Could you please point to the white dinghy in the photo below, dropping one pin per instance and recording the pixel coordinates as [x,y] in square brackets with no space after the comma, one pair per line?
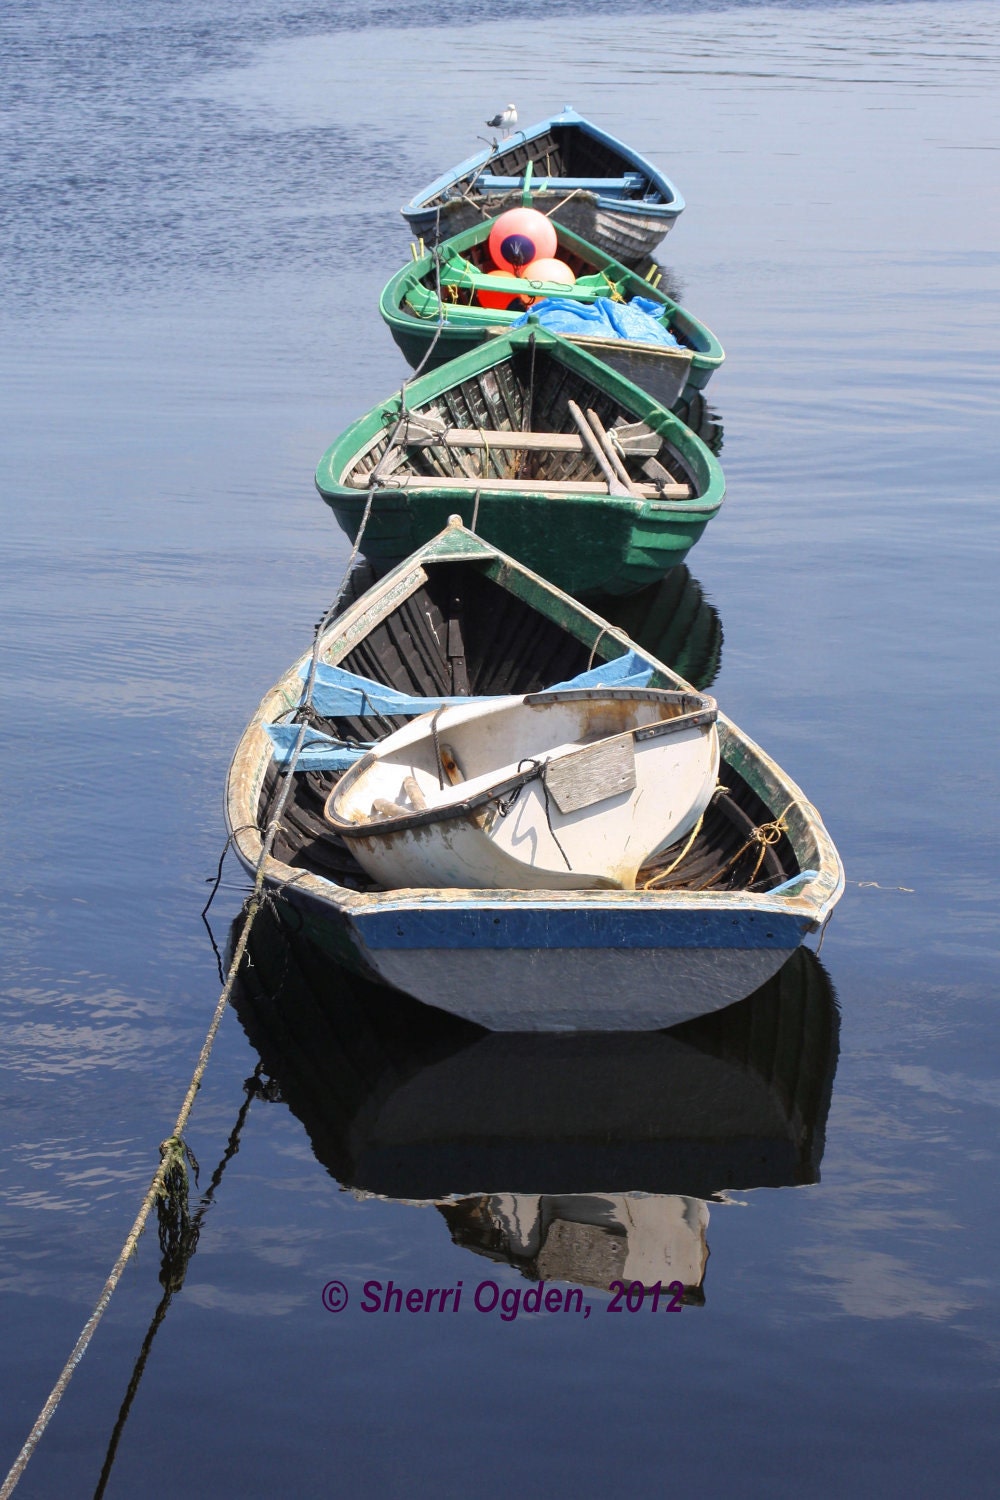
[572,789]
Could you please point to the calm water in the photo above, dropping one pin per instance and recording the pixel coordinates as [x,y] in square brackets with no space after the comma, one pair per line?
[200,208]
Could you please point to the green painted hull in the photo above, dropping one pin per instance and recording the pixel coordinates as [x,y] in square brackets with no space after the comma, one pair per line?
[583,542]
[412,314]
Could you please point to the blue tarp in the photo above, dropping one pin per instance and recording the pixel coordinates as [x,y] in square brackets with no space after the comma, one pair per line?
[640,320]
[341,694]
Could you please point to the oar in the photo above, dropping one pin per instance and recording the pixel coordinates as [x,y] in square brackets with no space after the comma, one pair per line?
[611,452]
[615,486]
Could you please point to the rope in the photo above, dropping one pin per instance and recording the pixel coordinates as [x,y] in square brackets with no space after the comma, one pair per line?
[437,747]
[662,874]
[173,1151]
[765,836]
[537,774]
[177,1253]
[604,630]
[562,202]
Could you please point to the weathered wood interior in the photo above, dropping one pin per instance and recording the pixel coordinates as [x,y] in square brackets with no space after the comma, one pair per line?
[462,633]
[528,391]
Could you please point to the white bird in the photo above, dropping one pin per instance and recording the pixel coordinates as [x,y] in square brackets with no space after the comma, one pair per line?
[505,120]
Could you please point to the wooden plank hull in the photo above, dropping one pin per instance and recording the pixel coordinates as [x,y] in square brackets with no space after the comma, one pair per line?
[585,542]
[721,917]
[630,235]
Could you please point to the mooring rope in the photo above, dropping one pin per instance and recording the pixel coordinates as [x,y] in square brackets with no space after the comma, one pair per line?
[178,1241]
[174,1152]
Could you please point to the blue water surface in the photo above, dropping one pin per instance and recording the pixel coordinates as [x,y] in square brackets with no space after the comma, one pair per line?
[200,209]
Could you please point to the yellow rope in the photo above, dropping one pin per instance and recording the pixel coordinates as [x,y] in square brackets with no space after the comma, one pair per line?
[662,874]
[616,295]
[766,835]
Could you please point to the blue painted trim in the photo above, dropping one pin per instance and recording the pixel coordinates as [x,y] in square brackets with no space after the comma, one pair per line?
[799,879]
[526,927]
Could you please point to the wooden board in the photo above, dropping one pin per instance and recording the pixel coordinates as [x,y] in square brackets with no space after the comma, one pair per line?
[523,486]
[591,774]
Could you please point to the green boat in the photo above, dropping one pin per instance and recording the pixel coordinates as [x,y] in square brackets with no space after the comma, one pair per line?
[544,451]
[412,302]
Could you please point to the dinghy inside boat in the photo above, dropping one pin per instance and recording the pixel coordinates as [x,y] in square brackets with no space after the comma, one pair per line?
[565,790]
[460,629]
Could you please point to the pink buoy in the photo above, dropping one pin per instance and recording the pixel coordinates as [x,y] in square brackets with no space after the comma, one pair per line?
[519,236]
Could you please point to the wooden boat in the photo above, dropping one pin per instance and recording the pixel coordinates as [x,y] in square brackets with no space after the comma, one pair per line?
[411,304]
[543,450]
[711,920]
[575,173]
[404,1101]
[570,790]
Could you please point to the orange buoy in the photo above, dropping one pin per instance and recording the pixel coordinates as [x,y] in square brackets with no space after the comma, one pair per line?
[521,235]
[498,300]
[547,268]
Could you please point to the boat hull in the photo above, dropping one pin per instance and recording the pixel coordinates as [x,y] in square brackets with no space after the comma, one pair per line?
[615,548]
[510,966]
[712,920]
[571,790]
[669,375]
[514,967]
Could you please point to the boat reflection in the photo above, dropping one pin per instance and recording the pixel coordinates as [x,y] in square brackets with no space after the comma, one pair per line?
[695,412]
[576,1156]
[590,1239]
[673,620]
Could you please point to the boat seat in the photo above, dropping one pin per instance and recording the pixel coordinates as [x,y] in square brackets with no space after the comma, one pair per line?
[488,183]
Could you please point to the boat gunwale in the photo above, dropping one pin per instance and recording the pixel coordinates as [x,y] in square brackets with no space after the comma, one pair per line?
[811,843]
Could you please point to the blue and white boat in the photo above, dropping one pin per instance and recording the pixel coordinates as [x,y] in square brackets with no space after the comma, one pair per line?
[712,917]
[567,168]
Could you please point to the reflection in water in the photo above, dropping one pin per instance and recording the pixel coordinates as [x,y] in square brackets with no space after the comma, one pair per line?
[674,621]
[591,1239]
[576,1156]
[702,419]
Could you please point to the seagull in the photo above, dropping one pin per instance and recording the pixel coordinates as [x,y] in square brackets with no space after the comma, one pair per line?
[505,120]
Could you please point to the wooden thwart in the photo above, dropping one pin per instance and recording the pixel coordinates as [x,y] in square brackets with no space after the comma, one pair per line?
[524,486]
[474,437]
